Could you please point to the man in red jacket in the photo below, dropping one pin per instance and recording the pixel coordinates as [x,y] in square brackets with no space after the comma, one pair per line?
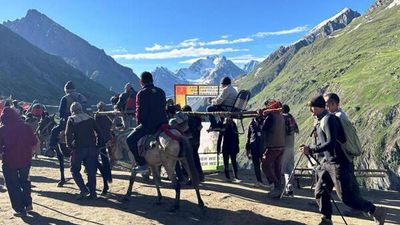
[16,144]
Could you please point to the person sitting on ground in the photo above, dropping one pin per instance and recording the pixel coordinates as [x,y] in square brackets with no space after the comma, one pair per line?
[291,128]
[254,146]
[273,131]
[16,144]
[80,134]
[194,137]
[230,149]
[150,116]
[336,170]
[104,124]
[224,102]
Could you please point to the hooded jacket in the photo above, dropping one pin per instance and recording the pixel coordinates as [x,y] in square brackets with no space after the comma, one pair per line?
[16,140]
[66,101]
[82,132]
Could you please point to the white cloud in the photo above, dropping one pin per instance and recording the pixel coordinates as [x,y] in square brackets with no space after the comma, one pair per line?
[119,50]
[226,36]
[242,59]
[282,32]
[226,42]
[195,42]
[190,61]
[178,53]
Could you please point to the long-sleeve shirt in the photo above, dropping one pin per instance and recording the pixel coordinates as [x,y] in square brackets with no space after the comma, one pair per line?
[227,97]
[150,107]
[81,132]
[328,139]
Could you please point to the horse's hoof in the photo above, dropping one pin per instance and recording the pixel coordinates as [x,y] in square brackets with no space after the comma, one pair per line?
[61,183]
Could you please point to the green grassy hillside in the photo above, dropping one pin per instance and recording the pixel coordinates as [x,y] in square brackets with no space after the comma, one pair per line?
[362,64]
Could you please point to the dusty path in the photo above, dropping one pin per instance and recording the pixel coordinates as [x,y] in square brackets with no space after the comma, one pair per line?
[227,204]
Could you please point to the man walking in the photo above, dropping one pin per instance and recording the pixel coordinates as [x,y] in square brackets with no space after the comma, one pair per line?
[80,135]
[335,169]
[16,144]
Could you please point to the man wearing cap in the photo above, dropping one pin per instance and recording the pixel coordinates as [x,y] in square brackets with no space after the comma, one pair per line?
[273,136]
[127,103]
[71,96]
[335,169]
[81,134]
[222,103]
[150,115]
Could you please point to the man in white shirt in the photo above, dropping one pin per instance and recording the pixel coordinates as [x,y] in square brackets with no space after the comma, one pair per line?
[224,102]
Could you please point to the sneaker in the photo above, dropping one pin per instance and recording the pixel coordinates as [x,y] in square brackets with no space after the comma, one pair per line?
[82,195]
[140,169]
[325,221]
[288,193]
[379,215]
[29,208]
[236,181]
[261,184]
[275,193]
[20,214]
[92,197]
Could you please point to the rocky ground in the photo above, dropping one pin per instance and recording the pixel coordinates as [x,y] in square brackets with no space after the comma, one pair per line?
[227,203]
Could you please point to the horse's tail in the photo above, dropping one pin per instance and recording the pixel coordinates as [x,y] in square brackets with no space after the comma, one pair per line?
[188,154]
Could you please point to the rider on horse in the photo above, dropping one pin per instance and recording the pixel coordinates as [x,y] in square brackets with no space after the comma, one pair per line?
[150,115]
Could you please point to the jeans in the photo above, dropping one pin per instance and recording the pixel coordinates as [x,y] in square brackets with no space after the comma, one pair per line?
[226,156]
[256,158]
[104,167]
[343,179]
[132,141]
[18,186]
[89,158]
[55,132]
[214,108]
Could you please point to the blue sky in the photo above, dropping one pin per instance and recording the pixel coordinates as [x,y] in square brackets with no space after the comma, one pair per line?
[147,34]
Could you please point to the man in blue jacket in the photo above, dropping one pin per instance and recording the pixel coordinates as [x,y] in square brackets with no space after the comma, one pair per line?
[150,115]
[71,96]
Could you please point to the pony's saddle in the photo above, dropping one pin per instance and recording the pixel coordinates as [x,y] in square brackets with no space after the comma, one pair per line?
[147,143]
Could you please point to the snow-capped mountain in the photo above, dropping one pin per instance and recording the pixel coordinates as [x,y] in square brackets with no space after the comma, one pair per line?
[249,67]
[210,70]
[166,79]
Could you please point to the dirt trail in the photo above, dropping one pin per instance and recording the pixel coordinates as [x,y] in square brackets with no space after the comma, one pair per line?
[227,203]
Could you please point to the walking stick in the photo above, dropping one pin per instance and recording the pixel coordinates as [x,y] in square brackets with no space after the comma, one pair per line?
[324,187]
[291,175]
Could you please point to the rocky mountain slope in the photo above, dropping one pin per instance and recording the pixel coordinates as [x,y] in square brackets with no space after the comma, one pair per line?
[166,79]
[51,37]
[28,73]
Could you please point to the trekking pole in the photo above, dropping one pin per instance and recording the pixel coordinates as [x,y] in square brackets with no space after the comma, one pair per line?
[291,175]
[324,187]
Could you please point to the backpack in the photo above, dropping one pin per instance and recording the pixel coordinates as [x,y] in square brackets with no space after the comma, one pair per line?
[80,98]
[352,146]
[130,102]
[290,124]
